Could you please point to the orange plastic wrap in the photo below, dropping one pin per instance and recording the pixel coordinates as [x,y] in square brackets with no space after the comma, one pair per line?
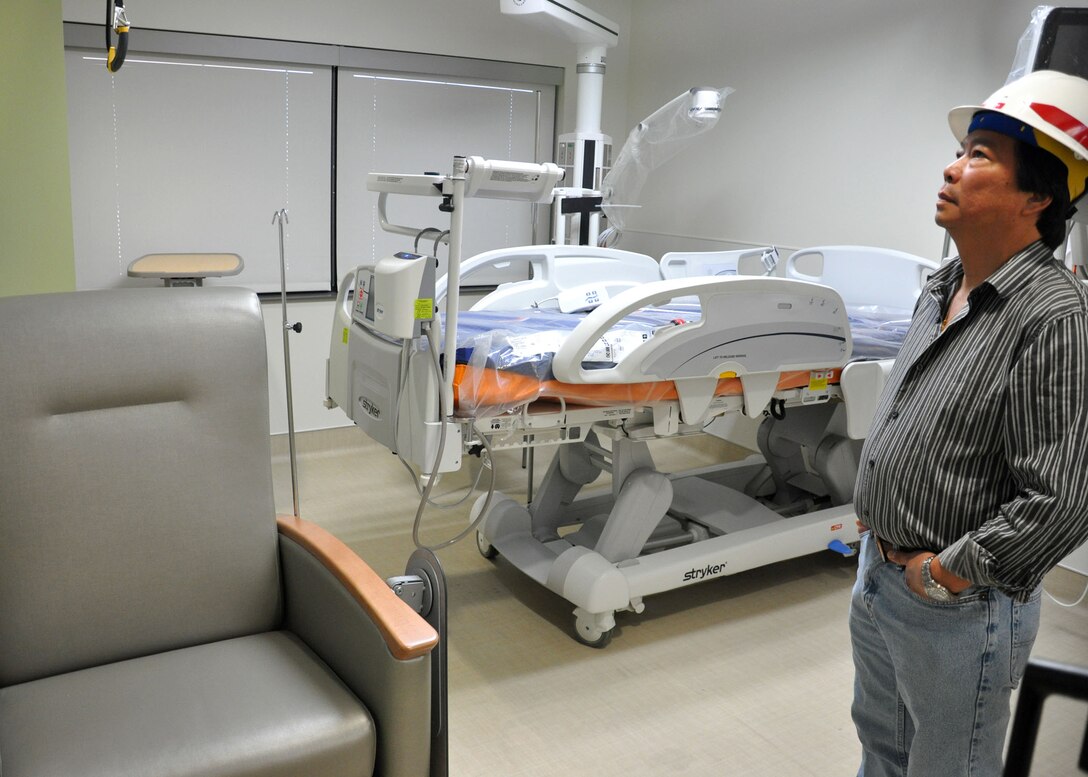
[478,390]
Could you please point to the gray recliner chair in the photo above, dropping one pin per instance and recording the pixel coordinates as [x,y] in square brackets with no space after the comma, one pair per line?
[155,616]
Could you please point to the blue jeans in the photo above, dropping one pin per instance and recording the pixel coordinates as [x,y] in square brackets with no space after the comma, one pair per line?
[932,681]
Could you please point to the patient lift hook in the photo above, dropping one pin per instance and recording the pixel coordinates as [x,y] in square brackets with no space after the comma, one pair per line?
[116,21]
[280,216]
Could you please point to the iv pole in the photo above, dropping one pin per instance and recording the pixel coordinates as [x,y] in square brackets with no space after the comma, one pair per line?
[280,217]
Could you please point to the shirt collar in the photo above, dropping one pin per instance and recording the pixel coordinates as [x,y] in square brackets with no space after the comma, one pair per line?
[948,274]
[1006,280]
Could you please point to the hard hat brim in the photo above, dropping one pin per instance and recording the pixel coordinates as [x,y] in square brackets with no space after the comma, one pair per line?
[959,119]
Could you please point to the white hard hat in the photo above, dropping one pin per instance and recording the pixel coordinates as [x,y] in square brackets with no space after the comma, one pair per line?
[1047,109]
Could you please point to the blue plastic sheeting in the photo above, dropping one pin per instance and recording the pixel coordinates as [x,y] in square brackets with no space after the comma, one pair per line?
[877,332]
[525,341]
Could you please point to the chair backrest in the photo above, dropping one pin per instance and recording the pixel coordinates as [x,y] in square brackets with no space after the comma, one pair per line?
[136,510]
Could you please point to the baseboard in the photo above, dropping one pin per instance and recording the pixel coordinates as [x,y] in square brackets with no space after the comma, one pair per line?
[320,441]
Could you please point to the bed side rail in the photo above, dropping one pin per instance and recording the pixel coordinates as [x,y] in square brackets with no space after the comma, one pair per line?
[751,328]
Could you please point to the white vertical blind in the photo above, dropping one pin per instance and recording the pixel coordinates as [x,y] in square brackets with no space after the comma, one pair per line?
[414,124]
[193,148]
[182,154]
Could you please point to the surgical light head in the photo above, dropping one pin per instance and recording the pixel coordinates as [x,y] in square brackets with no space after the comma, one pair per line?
[706,103]
[655,140]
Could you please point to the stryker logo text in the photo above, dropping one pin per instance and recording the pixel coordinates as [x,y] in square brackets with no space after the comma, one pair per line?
[710,570]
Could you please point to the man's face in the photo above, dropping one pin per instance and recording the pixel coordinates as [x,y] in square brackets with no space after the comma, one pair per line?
[980,190]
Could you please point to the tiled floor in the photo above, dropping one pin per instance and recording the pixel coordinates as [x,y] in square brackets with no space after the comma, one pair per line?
[747,675]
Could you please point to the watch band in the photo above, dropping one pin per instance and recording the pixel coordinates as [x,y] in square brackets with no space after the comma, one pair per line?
[933,589]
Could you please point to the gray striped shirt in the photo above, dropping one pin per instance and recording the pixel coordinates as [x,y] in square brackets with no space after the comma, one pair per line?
[979,447]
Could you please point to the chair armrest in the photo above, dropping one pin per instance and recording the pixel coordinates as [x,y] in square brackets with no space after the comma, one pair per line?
[405,632]
[375,643]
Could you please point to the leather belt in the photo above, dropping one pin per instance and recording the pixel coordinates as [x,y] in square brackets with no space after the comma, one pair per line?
[883,546]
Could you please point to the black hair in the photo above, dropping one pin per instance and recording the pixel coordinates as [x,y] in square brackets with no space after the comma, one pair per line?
[1040,172]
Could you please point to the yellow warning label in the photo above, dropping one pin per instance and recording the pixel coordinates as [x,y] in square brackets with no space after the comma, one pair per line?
[345,338]
[817,381]
[424,309]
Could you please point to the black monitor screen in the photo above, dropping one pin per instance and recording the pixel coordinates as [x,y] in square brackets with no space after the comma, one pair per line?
[1063,45]
[369,314]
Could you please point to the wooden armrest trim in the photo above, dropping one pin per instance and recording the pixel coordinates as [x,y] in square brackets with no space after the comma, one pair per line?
[405,632]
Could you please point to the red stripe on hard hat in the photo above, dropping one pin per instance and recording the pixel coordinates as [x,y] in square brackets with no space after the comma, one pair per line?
[1068,124]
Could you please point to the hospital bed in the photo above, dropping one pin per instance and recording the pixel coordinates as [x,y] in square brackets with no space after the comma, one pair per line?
[597,352]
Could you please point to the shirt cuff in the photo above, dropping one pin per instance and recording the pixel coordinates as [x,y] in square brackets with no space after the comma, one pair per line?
[969,560]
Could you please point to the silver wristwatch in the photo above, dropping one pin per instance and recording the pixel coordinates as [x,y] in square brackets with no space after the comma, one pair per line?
[933,589]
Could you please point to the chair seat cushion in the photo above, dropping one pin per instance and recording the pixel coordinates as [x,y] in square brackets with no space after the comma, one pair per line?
[256,705]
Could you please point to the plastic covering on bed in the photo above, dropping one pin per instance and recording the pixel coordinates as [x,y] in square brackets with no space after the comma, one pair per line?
[504,358]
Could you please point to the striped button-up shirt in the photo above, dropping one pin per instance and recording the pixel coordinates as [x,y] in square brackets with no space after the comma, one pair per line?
[979,447]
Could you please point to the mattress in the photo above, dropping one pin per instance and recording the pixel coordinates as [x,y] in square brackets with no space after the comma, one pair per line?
[504,358]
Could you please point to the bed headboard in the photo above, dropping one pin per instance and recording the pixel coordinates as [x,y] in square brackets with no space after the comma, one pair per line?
[862,275]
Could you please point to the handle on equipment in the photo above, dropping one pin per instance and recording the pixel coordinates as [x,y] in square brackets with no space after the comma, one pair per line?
[116,21]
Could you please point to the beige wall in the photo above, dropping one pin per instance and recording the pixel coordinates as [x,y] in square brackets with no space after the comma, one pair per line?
[837,131]
[35,202]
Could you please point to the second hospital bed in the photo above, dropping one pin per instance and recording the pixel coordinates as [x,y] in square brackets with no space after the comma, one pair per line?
[601,351]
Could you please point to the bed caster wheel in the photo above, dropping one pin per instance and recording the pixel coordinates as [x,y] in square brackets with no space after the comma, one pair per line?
[487,550]
[602,639]
[593,630]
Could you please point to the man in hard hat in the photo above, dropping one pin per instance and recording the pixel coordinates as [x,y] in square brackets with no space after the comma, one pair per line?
[972,482]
